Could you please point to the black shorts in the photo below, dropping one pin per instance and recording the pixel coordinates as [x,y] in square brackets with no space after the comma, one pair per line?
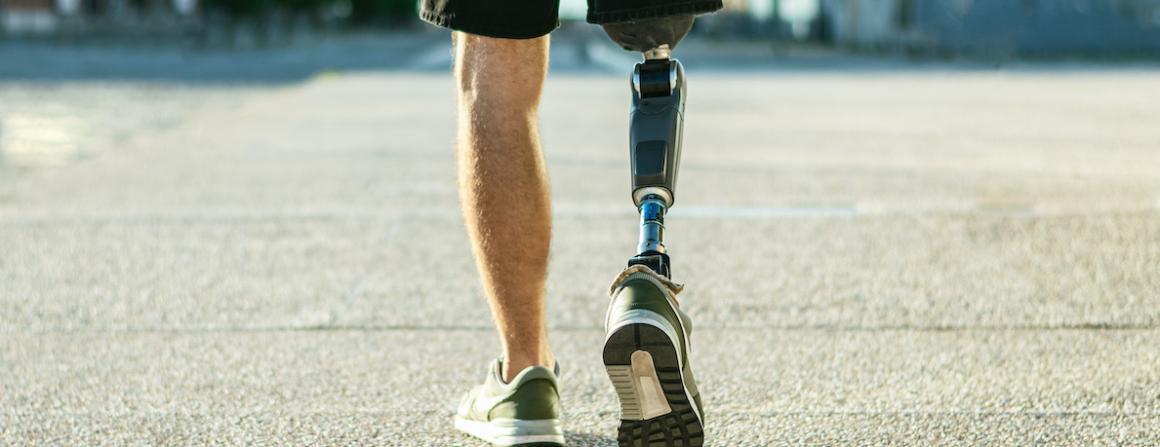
[526,19]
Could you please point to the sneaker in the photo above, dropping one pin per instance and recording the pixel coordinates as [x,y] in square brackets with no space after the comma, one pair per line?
[646,353]
[525,412]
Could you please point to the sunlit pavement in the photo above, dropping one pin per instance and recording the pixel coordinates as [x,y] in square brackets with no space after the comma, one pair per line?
[873,255]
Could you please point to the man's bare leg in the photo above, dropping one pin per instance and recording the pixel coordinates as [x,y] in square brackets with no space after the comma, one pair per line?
[504,188]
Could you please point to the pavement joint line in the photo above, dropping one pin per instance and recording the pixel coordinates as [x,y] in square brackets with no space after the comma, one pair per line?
[689,213]
[782,328]
[450,412]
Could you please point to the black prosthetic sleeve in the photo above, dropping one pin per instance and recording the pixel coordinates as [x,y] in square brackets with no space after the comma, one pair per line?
[656,127]
[644,35]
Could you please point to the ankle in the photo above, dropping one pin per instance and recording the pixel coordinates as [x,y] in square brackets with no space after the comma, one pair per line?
[513,364]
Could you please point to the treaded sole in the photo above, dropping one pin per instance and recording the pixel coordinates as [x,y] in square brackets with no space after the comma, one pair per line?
[645,420]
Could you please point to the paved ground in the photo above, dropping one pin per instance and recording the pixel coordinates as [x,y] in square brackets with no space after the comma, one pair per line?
[884,255]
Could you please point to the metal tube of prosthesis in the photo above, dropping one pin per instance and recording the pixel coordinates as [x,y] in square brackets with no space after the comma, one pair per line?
[652,225]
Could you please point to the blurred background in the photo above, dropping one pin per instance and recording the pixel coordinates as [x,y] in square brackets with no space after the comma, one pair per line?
[993,28]
[900,222]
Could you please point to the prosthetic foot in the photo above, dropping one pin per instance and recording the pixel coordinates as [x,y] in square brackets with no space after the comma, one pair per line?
[646,348]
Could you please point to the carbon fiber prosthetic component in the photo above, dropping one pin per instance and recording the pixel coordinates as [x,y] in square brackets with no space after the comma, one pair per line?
[655,137]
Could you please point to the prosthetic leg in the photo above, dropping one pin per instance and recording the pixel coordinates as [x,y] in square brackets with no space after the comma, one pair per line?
[657,124]
[646,349]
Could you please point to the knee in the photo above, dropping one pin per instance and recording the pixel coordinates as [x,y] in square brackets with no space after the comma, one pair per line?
[500,73]
[644,35]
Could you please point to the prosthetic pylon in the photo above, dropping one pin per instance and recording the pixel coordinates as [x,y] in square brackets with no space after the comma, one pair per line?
[655,134]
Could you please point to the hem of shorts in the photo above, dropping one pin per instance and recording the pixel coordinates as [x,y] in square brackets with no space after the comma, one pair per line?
[697,7]
[502,33]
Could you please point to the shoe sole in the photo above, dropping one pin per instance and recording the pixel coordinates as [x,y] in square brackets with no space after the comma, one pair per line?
[513,433]
[655,406]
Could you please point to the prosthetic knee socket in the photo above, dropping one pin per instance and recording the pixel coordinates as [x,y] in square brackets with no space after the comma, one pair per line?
[644,35]
[655,137]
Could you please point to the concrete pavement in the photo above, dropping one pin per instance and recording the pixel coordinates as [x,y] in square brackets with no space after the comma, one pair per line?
[912,257]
